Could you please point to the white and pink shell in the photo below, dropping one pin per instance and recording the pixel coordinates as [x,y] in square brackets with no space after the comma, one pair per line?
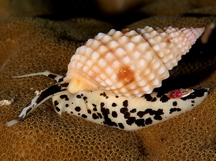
[129,63]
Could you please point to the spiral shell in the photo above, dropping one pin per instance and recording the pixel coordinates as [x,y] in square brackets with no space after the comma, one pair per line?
[129,63]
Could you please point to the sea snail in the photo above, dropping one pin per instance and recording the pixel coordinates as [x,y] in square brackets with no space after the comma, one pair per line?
[110,79]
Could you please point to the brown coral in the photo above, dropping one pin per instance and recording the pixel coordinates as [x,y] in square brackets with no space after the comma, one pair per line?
[33,45]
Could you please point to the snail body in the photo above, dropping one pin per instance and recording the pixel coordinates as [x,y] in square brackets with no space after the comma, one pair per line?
[110,79]
[128,113]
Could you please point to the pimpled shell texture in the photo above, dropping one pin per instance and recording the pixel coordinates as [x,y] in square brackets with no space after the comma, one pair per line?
[130,62]
[30,46]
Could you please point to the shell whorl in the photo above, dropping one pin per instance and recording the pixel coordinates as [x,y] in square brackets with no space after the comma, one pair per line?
[129,63]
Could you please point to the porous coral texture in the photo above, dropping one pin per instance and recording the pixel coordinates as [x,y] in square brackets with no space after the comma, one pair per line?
[31,45]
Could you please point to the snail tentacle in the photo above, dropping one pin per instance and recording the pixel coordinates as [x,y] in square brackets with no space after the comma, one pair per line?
[58,78]
[39,99]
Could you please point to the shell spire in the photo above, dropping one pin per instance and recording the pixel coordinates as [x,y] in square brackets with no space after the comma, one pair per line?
[129,63]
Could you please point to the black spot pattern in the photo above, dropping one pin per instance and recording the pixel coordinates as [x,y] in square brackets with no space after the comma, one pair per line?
[174,109]
[114,104]
[126,115]
[164,98]
[84,116]
[114,114]
[99,115]
[102,105]
[125,103]
[141,113]
[78,96]
[64,96]
[95,107]
[104,95]
[148,121]
[57,109]
[143,122]
[157,117]
[105,113]
[157,113]
[174,103]
[148,97]
[85,98]
[140,122]
[77,108]
[56,103]
[124,110]
[130,120]
[154,99]
[133,110]
[121,125]
[94,116]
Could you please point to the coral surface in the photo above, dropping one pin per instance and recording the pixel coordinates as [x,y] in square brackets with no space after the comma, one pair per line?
[30,44]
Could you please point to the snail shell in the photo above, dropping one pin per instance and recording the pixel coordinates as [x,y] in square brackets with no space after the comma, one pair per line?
[129,63]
